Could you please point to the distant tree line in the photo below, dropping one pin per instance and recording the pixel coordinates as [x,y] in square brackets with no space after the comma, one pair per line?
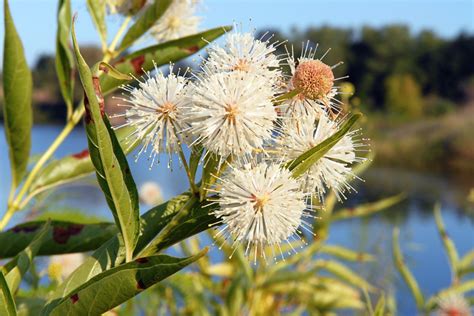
[392,69]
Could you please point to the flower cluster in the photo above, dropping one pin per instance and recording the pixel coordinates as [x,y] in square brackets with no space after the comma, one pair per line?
[244,109]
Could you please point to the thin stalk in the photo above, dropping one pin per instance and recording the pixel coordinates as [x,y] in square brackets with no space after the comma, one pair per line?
[111,50]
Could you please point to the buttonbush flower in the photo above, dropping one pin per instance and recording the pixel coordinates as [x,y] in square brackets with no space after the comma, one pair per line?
[153,112]
[452,305]
[260,205]
[315,81]
[178,21]
[231,113]
[334,168]
[243,52]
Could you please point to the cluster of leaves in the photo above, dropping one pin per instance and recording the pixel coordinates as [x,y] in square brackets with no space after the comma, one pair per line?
[125,257]
[461,268]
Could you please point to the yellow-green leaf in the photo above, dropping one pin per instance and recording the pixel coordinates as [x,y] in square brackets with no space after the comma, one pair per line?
[17,87]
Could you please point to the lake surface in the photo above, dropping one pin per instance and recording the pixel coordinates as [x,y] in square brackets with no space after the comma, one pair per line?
[419,239]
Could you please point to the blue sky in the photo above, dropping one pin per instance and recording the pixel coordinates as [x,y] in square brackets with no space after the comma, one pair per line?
[35,19]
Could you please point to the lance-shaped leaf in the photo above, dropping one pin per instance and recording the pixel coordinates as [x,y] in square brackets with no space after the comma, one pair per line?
[64,59]
[62,237]
[380,307]
[17,88]
[76,166]
[405,272]
[343,273]
[18,266]
[97,10]
[301,164]
[144,22]
[367,209]
[346,254]
[7,304]
[113,172]
[466,264]
[161,54]
[153,221]
[448,244]
[125,281]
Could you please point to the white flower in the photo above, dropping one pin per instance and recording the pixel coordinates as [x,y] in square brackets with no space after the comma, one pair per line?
[315,80]
[150,193]
[231,113]
[177,21]
[242,52]
[334,168]
[260,206]
[153,111]
[452,305]
[61,266]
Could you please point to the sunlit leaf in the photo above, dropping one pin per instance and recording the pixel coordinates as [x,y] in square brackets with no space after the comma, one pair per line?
[7,304]
[144,22]
[113,172]
[300,165]
[17,90]
[405,272]
[126,281]
[64,59]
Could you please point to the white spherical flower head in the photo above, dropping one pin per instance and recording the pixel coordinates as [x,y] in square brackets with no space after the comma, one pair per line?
[315,81]
[177,21]
[260,206]
[333,169]
[61,266]
[453,305]
[153,111]
[242,52]
[231,113]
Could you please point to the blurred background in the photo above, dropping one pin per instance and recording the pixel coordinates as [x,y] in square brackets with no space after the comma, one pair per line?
[411,72]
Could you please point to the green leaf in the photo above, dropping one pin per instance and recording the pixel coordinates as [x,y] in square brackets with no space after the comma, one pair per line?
[448,244]
[97,10]
[7,304]
[76,166]
[161,54]
[18,266]
[64,58]
[380,307]
[367,209]
[405,272]
[343,273]
[301,164]
[17,87]
[194,159]
[113,72]
[153,221]
[346,254]
[62,237]
[466,264]
[144,23]
[113,172]
[125,281]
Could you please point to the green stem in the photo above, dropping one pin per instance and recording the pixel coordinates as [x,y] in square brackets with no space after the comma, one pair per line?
[110,53]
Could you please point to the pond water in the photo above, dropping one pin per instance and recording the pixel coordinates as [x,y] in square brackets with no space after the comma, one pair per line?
[419,239]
